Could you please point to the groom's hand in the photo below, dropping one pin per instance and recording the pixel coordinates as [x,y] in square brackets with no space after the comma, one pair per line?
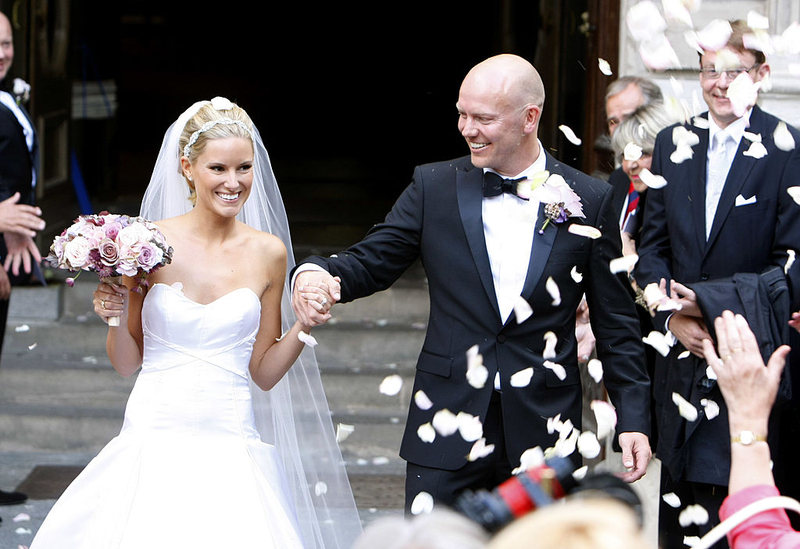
[636,454]
[313,295]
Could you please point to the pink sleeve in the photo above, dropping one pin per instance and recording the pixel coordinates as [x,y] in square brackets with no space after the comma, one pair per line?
[767,530]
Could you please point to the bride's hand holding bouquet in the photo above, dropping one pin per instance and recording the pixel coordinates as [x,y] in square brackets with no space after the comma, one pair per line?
[113,246]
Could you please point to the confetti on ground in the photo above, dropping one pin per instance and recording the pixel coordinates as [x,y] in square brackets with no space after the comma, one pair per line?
[22,328]
[22,517]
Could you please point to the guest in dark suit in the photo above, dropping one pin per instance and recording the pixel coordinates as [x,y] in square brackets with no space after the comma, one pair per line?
[724,210]
[17,171]
[484,256]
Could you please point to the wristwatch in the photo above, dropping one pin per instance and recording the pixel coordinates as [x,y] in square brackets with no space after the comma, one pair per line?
[747,438]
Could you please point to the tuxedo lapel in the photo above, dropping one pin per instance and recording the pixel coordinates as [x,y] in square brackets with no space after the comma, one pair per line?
[739,172]
[697,186]
[469,189]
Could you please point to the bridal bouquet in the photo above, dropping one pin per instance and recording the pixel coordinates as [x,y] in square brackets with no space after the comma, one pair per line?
[112,246]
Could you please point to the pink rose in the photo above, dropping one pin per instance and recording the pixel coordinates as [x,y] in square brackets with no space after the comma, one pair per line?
[109,252]
[149,256]
[76,253]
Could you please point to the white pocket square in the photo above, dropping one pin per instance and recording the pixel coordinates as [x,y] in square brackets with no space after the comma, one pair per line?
[742,201]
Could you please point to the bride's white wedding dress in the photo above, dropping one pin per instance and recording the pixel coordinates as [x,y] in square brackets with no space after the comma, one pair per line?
[188,469]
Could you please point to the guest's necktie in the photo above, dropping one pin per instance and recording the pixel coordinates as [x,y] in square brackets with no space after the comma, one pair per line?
[633,203]
[495,185]
[718,166]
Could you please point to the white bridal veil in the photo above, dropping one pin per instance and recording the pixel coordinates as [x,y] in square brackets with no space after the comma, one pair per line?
[294,415]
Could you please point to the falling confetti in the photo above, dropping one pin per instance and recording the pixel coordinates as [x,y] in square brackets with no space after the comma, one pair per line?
[343,431]
[632,152]
[790,257]
[391,385]
[658,54]
[477,374]
[757,21]
[469,427]
[307,339]
[685,408]
[604,66]
[480,450]
[658,342]
[684,354]
[743,93]
[677,11]
[693,514]
[557,369]
[422,400]
[584,230]
[445,422]
[672,500]
[756,150]
[652,180]
[522,378]
[550,340]
[588,446]
[595,369]
[576,276]
[522,309]
[530,459]
[605,416]
[710,407]
[794,192]
[320,488]
[570,135]
[580,474]
[426,432]
[715,35]
[783,137]
[422,504]
[623,264]
[552,288]
[644,21]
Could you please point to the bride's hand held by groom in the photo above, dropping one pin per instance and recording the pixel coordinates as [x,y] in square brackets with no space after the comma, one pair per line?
[314,294]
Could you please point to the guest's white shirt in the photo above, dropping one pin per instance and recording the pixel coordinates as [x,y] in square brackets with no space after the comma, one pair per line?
[8,100]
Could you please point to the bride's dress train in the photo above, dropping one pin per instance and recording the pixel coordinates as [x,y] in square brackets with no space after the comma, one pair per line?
[188,469]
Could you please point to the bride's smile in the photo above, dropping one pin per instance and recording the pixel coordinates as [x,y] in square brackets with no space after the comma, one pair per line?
[223,174]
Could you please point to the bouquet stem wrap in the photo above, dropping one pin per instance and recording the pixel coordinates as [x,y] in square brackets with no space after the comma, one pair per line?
[113,320]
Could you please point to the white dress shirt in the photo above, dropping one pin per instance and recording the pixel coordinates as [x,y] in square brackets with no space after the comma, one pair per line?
[719,160]
[8,100]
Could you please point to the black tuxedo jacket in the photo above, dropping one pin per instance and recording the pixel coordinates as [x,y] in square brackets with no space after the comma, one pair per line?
[756,223]
[438,219]
[16,161]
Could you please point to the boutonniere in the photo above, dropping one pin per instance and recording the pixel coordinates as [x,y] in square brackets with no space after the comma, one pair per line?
[22,90]
[560,201]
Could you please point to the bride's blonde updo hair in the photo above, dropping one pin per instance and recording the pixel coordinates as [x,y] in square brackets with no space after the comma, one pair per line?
[218,119]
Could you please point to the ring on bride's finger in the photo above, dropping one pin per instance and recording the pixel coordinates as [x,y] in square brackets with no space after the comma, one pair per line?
[103,304]
[726,358]
[324,301]
[736,350]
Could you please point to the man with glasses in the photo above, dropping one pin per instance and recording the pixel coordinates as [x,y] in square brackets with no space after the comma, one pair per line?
[724,211]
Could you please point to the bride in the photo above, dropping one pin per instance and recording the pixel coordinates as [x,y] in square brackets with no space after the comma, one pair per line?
[223,370]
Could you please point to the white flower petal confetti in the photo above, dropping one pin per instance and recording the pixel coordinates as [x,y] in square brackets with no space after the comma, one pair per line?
[595,369]
[522,309]
[588,446]
[756,150]
[343,431]
[469,427]
[726,60]
[557,369]
[307,339]
[658,54]
[682,153]
[658,342]
[550,340]
[632,152]
[623,264]
[743,93]
[644,20]
[565,446]
[693,514]
[391,385]
[522,378]
[320,488]
[711,408]
[480,450]
[576,276]
[677,11]
[22,328]
[477,376]
[783,137]
[790,257]
[684,354]
[426,432]
[710,373]
[570,135]
[530,459]
[552,288]
[701,122]
[652,180]
[23,531]
[580,474]
[32,346]
[422,400]
[672,500]
[584,230]
[715,35]
[380,460]
[445,422]
[757,21]
[22,517]
[422,504]
[685,408]
[794,192]
[691,541]
[604,66]
[605,416]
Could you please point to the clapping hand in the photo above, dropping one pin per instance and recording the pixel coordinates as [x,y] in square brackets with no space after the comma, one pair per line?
[21,250]
[19,218]
[314,293]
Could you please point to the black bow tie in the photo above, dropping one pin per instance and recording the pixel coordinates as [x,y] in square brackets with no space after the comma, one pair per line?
[495,185]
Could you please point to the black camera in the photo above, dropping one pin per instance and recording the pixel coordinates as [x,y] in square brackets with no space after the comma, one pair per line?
[538,487]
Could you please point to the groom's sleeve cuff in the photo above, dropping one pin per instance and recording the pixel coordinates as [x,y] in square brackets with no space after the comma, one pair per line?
[304,267]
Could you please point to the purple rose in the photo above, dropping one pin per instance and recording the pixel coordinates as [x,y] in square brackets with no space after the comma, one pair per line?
[109,252]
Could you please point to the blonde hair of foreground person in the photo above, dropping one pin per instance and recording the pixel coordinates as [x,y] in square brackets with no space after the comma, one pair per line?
[440,529]
[583,523]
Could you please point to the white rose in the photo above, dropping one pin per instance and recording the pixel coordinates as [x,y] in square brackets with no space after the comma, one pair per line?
[76,252]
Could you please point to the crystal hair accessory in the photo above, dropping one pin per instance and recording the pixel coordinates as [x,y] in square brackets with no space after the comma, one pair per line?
[210,124]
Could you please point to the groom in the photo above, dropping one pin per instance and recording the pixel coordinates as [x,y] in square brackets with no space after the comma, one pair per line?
[483,256]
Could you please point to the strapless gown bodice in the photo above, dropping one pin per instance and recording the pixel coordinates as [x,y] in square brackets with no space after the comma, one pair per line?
[188,468]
